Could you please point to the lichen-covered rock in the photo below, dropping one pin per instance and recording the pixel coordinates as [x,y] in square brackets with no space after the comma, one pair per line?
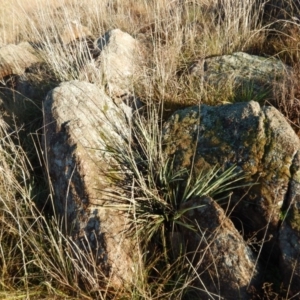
[289,233]
[258,140]
[225,264]
[80,120]
[247,74]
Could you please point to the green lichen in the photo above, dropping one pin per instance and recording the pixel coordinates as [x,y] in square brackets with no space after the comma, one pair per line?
[243,134]
[105,108]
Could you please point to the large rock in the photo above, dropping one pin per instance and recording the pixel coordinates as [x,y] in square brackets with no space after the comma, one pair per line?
[14,59]
[244,75]
[225,264]
[262,144]
[80,120]
[118,64]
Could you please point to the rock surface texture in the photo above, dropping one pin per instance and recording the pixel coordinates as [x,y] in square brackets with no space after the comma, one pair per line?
[249,75]
[24,81]
[78,118]
[14,59]
[262,144]
[289,234]
[226,265]
[118,65]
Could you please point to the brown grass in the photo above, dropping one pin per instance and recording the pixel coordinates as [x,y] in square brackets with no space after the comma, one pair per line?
[36,259]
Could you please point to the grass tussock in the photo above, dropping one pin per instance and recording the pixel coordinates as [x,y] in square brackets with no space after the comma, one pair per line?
[155,190]
[37,260]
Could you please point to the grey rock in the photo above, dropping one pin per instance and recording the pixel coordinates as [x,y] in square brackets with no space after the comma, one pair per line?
[80,121]
[14,59]
[248,75]
[225,265]
[118,66]
[262,145]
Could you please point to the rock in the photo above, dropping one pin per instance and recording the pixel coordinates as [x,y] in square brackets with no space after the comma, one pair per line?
[248,75]
[258,140]
[21,96]
[80,120]
[118,65]
[14,59]
[289,234]
[225,264]
[25,83]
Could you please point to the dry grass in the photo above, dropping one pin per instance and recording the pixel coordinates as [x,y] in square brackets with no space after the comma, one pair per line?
[36,259]
[175,31]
